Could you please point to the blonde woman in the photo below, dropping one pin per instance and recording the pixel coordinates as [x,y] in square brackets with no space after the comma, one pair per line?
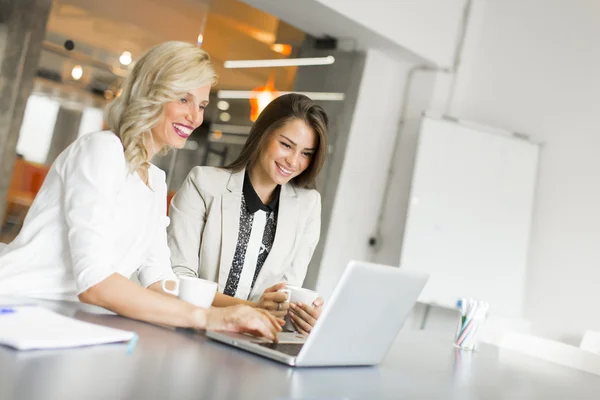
[100,215]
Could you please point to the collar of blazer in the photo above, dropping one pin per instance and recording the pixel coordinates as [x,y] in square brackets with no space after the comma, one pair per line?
[285,234]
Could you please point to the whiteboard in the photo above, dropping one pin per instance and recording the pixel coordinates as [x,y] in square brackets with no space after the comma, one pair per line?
[470,212]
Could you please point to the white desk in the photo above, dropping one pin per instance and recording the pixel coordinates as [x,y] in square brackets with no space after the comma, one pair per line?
[168,364]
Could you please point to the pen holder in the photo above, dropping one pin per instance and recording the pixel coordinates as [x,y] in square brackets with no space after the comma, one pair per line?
[466,332]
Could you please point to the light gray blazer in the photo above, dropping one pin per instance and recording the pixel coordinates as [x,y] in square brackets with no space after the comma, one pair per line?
[205,216]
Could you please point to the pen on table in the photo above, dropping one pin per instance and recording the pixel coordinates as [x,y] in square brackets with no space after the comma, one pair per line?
[469,305]
[465,333]
[462,308]
[476,321]
[471,313]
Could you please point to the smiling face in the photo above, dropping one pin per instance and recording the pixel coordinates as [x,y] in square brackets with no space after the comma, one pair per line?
[287,152]
[180,118]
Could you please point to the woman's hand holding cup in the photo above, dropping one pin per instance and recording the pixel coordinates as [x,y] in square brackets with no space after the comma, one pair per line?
[275,300]
[300,307]
[304,316]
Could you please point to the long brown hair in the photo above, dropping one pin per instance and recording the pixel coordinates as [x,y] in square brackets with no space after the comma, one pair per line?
[280,111]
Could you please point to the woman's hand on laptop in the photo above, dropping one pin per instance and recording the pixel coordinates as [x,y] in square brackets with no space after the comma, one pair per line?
[305,316]
[244,319]
[274,301]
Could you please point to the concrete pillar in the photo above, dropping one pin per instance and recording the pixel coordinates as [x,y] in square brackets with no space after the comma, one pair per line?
[22,30]
[363,173]
[65,132]
[343,76]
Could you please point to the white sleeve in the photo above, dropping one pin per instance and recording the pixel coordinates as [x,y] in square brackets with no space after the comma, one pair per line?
[92,174]
[157,265]
[188,218]
[296,273]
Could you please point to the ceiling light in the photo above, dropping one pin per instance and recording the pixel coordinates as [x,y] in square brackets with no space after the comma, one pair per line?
[223,105]
[225,117]
[200,39]
[284,49]
[248,94]
[285,62]
[260,99]
[125,58]
[77,72]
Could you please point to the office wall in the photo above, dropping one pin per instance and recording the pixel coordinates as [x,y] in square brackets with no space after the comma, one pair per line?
[533,67]
[389,230]
[363,177]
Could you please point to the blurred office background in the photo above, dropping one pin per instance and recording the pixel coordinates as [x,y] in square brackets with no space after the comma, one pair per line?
[525,66]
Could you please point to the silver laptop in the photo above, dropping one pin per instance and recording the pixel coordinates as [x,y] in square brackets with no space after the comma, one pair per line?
[358,325]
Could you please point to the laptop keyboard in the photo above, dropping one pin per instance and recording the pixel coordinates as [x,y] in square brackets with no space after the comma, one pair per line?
[291,349]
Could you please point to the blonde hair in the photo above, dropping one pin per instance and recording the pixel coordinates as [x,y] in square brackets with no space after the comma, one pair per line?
[163,74]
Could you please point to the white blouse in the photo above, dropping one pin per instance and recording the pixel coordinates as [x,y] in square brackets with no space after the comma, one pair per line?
[90,219]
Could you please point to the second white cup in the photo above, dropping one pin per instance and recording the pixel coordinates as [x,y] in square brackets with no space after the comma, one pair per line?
[199,292]
[297,294]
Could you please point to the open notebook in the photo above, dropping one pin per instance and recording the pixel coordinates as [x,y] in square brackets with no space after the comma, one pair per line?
[34,327]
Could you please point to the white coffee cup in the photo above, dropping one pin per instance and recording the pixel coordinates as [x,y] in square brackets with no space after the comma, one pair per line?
[297,294]
[199,292]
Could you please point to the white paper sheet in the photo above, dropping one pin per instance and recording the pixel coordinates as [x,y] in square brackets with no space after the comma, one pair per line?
[33,327]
